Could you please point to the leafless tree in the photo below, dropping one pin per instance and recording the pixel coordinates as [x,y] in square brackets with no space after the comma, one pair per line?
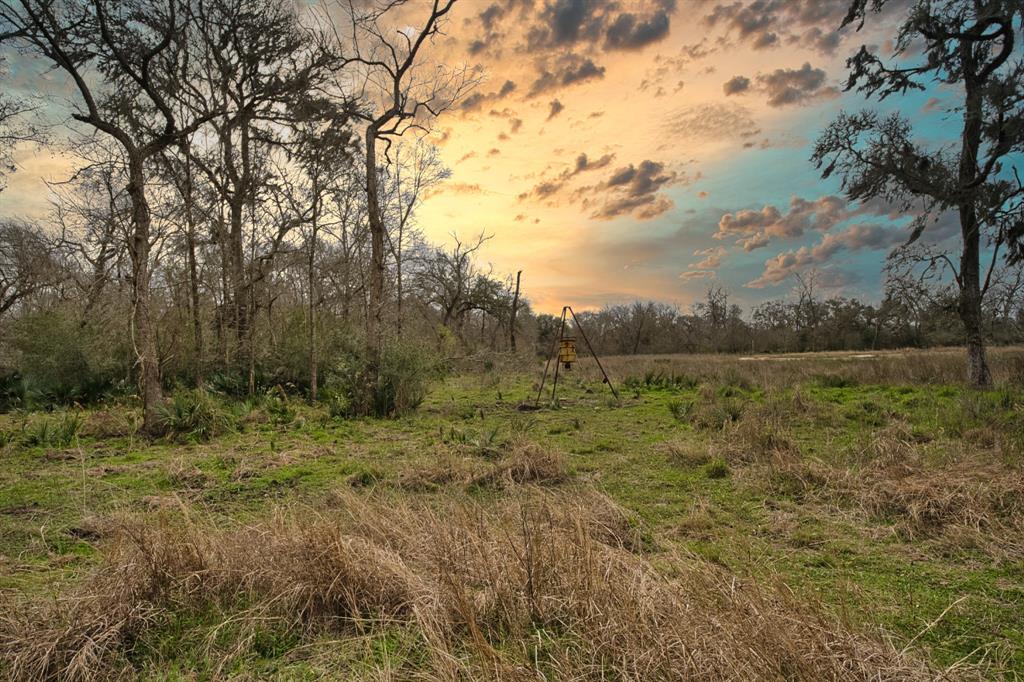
[136,44]
[450,280]
[398,92]
[15,128]
[29,263]
[415,168]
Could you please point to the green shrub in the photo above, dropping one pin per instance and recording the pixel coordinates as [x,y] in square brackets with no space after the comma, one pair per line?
[398,385]
[63,361]
[12,391]
[54,432]
[277,405]
[228,384]
[337,405]
[193,415]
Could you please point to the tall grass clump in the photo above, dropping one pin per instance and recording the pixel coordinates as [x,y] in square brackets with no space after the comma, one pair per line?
[653,379]
[55,432]
[193,415]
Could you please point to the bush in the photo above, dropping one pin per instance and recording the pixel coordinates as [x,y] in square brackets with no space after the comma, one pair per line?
[277,405]
[193,415]
[12,391]
[400,384]
[62,361]
[229,384]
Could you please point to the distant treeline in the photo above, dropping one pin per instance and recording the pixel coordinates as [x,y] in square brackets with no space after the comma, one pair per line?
[804,323]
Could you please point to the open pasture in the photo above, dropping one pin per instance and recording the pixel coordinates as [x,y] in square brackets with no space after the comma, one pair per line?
[806,517]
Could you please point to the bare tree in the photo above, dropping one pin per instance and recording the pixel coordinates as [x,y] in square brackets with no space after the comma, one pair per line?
[397,96]
[29,263]
[14,128]
[415,169]
[962,43]
[136,45]
[450,280]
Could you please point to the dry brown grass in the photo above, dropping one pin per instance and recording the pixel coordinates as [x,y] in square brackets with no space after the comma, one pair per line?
[542,585]
[939,365]
[759,435]
[525,462]
[110,423]
[972,502]
[515,463]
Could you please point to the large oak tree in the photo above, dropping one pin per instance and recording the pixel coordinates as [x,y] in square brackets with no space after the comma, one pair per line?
[968,46]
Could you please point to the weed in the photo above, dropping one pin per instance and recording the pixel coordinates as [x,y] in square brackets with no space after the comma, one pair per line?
[520,425]
[716,468]
[56,432]
[678,408]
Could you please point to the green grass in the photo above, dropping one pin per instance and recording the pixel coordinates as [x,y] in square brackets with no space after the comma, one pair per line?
[715,508]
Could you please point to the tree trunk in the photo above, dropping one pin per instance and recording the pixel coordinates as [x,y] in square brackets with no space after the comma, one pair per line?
[512,317]
[374,319]
[398,281]
[978,374]
[145,340]
[236,273]
[311,285]
[193,275]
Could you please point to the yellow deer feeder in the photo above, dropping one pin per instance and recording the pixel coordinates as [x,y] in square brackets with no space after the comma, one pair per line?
[564,355]
[567,351]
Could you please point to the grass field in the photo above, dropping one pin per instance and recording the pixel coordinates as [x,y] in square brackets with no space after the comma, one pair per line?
[793,517]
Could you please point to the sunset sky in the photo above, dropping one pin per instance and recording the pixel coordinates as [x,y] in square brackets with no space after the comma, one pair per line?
[624,149]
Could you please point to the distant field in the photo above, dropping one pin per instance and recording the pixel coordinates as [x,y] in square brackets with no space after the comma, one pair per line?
[818,516]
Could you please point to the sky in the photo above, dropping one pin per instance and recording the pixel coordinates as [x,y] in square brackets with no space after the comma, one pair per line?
[649,149]
[617,150]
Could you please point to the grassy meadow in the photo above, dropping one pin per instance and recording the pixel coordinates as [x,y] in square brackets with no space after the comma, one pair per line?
[812,517]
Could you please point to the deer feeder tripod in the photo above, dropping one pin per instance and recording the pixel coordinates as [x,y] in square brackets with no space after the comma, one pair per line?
[564,354]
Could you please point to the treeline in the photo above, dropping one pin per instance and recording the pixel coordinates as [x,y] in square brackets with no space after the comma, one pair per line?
[69,336]
[904,319]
